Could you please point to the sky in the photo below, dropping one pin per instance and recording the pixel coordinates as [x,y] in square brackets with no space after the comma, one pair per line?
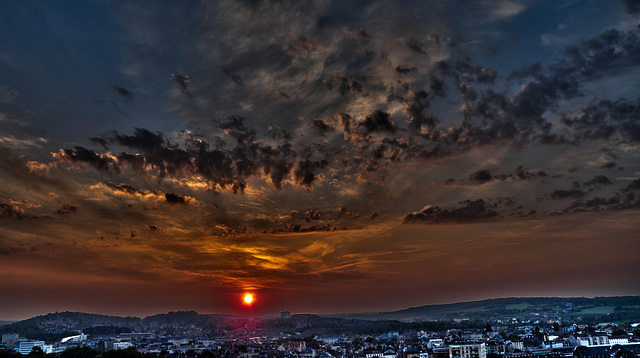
[325,156]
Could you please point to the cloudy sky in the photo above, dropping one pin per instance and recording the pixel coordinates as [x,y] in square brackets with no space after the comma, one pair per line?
[328,156]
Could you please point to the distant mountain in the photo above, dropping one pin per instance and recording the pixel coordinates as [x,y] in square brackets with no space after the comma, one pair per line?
[54,326]
[475,314]
[508,308]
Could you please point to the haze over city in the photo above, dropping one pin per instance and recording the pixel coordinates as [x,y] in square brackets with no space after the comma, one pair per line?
[323,156]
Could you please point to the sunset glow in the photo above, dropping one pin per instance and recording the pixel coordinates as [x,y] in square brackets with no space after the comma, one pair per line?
[323,156]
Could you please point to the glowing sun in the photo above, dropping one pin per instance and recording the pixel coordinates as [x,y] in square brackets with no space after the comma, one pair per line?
[247,298]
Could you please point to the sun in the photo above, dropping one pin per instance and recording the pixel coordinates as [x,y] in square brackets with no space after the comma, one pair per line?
[247,299]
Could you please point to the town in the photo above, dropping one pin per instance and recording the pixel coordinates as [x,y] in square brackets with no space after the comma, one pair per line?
[244,337]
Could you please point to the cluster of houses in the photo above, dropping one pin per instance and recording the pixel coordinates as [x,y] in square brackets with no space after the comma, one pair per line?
[507,342]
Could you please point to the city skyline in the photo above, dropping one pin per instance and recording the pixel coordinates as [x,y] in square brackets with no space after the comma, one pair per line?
[324,157]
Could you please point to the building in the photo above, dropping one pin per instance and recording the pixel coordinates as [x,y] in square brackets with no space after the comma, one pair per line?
[415,353]
[619,340]
[285,314]
[10,338]
[613,351]
[122,345]
[475,350]
[293,346]
[591,340]
[74,339]
[389,354]
[25,347]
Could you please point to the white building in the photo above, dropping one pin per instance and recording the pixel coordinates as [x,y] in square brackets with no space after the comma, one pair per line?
[389,354]
[468,350]
[74,339]
[26,347]
[122,345]
[618,340]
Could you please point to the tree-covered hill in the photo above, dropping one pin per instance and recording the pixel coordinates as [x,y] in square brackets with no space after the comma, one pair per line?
[54,326]
[617,308]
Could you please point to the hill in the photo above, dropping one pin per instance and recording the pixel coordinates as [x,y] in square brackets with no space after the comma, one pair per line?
[475,314]
[523,308]
[55,326]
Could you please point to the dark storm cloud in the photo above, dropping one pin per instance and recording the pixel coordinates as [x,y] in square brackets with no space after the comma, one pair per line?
[294,228]
[598,180]
[437,86]
[17,248]
[305,171]
[612,50]
[521,173]
[125,188]
[322,126]
[608,53]
[481,176]
[378,121]
[233,75]
[500,118]
[234,126]
[100,162]
[12,211]
[608,165]
[632,6]
[311,215]
[183,83]
[601,119]
[345,84]
[590,205]
[142,139]
[154,152]
[464,71]
[468,92]
[169,198]
[99,141]
[416,110]
[360,34]
[634,185]
[468,212]
[484,175]
[375,141]
[67,209]
[566,194]
[175,199]
[122,92]
[405,70]
[299,95]
[153,229]
[355,64]
[521,118]
[415,46]
[313,220]
[221,167]
[629,201]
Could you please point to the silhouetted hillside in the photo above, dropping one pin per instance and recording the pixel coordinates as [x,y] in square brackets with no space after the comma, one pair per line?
[625,307]
[54,326]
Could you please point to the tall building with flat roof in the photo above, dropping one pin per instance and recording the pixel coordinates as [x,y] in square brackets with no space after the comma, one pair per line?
[26,347]
[474,350]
